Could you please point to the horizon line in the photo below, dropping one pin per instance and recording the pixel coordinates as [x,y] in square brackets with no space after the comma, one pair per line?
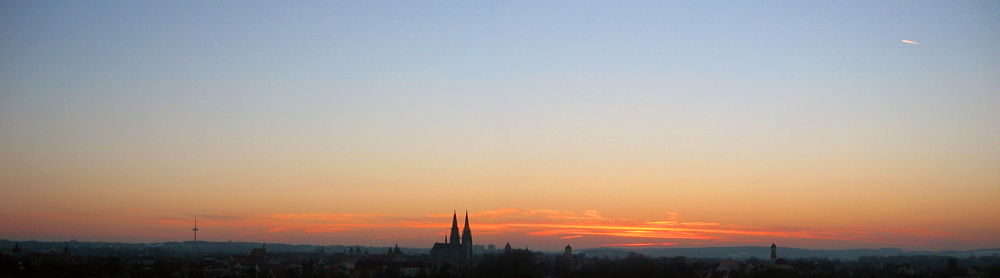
[553,250]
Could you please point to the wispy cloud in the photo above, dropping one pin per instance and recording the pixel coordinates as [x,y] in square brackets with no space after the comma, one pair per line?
[641,244]
[503,223]
[570,225]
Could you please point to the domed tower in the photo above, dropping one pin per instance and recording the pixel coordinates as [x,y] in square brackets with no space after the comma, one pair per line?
[774,252]
[467,238]
[568,252]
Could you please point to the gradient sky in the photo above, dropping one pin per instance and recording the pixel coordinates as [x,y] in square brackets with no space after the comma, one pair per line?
[684,124]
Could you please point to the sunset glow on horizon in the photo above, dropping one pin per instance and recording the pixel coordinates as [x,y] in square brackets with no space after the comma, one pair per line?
[547,229]
[591,124]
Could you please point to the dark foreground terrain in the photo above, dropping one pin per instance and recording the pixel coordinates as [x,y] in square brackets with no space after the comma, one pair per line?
[206,259]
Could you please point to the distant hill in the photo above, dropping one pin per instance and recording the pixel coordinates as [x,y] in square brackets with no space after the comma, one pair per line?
[81,247]
[739,252]
[784,252]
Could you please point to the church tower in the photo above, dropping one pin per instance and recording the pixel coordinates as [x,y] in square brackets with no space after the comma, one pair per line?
[454,231]
[455,247]
[467,238]
[774,252]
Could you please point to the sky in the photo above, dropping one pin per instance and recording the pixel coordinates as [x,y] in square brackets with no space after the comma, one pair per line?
[850,124]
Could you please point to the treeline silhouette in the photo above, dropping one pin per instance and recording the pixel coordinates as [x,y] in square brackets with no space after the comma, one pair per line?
[516,263]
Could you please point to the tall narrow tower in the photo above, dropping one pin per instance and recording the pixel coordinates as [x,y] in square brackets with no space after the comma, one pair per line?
[774,252]
[467,238]
[195,229]
[454,232]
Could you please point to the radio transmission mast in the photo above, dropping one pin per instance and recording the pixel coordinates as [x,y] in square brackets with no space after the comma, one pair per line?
[195,229]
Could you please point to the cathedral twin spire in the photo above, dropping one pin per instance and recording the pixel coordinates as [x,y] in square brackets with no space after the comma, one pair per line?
[456,246]
[454,230]
[467,236]
[466,233]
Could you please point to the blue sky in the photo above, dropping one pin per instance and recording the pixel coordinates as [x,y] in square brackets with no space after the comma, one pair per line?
[665,106]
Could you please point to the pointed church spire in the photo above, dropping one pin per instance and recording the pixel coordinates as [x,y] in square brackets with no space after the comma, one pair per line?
[467,238]
[455,241]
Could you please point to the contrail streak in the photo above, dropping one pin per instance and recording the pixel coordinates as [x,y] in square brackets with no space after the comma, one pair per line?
[910,42]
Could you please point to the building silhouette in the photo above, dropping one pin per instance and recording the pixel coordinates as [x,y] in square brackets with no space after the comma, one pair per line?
[778,263]
[455,248]
[467,237]
[195,229]
[259,253]
[774,252]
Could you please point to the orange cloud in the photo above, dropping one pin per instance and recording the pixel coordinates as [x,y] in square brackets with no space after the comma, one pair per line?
[494,214]
[641,244]
[501,224]
[324,216]
[545,223]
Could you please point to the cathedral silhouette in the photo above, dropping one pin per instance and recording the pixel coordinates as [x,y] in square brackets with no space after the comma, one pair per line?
[455,248]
